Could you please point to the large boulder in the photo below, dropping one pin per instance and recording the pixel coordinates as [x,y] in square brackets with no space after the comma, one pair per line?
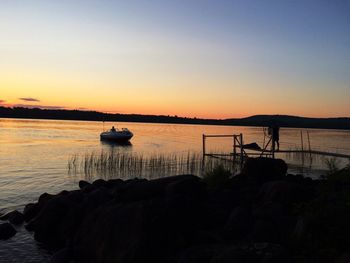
[57,221]
[271,210]
[251,252]
[63,256]
[32,210]
[99,183]
[274,222]
[7,231]
[110,211]
[83,183]
[262,170]
[141,189]
[200,253]
[189,185]
[283,192]
[239,223]
[14,217]
[152,230]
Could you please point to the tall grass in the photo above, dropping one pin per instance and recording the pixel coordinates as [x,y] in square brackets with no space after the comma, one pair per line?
[118,164]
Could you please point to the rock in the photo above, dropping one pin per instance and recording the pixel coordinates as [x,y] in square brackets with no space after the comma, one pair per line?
[151,230]
[7,231]
[95,199]
[190,186]
[273,253]
[265,231]
[99,183]
[276,230]
[218,206]
[297,178]
[283,192]
[56,222]
[115,183]
[64,192]
[45,197]
[76,196]
[222,253]
[4,217]
[200,253]
[344,258]
[271,211]
[239,223]
[263,170]
[15,217]
[140,189]
[83,184]
[63,256]
[30,211]
[273,223]
[235,254]
[89,188]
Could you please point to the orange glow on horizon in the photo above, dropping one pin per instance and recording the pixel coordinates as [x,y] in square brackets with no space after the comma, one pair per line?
[236,62]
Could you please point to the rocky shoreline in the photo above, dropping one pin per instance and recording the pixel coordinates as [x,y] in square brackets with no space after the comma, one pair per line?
[262,215]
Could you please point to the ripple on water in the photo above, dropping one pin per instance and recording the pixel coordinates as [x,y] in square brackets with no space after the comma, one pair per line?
[34,156]
[22,248]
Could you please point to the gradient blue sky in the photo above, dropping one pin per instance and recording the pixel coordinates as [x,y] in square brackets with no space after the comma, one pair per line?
[191,58]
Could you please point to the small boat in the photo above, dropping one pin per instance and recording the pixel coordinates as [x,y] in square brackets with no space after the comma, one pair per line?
[116,135]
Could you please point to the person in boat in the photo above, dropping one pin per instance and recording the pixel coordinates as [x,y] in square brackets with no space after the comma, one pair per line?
[113,129]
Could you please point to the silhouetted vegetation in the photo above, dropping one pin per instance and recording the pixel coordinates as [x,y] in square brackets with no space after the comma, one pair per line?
[258,120]
[325,231]
[114,164]
[218,177]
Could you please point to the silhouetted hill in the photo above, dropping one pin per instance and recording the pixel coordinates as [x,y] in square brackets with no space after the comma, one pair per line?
[257,120]
[293,121]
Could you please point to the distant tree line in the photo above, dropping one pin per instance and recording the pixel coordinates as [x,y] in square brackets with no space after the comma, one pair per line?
[257,120]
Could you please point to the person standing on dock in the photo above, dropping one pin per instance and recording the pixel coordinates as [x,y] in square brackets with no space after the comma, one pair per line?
[274,133]
[276,137]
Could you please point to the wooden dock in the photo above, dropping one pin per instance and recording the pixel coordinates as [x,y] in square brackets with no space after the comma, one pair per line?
[239,150]
[330,154]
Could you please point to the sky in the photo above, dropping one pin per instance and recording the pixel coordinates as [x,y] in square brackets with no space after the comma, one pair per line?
[208,59]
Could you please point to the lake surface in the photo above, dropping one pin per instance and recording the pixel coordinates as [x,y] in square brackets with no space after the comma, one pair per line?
[34,158]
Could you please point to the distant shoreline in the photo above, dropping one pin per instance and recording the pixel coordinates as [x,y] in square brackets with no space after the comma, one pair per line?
[342,123]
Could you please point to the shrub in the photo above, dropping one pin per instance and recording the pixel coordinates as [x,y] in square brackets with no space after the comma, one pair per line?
[218,177]
[327,233]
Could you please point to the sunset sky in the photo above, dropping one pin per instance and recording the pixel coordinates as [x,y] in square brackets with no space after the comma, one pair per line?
[211,59]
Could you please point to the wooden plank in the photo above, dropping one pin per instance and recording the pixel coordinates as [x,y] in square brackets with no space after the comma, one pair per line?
[224,135]
[312,152]
[265,151]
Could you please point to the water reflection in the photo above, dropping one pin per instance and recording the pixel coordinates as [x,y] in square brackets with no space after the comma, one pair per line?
[34,156]
[113,144]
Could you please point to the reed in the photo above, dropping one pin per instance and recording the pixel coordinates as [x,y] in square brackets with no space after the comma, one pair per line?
[117,164]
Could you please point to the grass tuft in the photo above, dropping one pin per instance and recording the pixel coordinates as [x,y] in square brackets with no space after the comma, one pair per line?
[115,164]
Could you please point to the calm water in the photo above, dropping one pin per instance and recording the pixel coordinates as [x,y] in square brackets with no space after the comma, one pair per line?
[34,155]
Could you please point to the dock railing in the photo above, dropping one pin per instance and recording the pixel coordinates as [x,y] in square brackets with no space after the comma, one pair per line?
[237,143]
[240,151]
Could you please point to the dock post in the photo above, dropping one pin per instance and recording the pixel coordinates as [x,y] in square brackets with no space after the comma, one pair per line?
[241,147]
[302,147]
[234,148]
[273,148]
[203,145]
[308,139]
